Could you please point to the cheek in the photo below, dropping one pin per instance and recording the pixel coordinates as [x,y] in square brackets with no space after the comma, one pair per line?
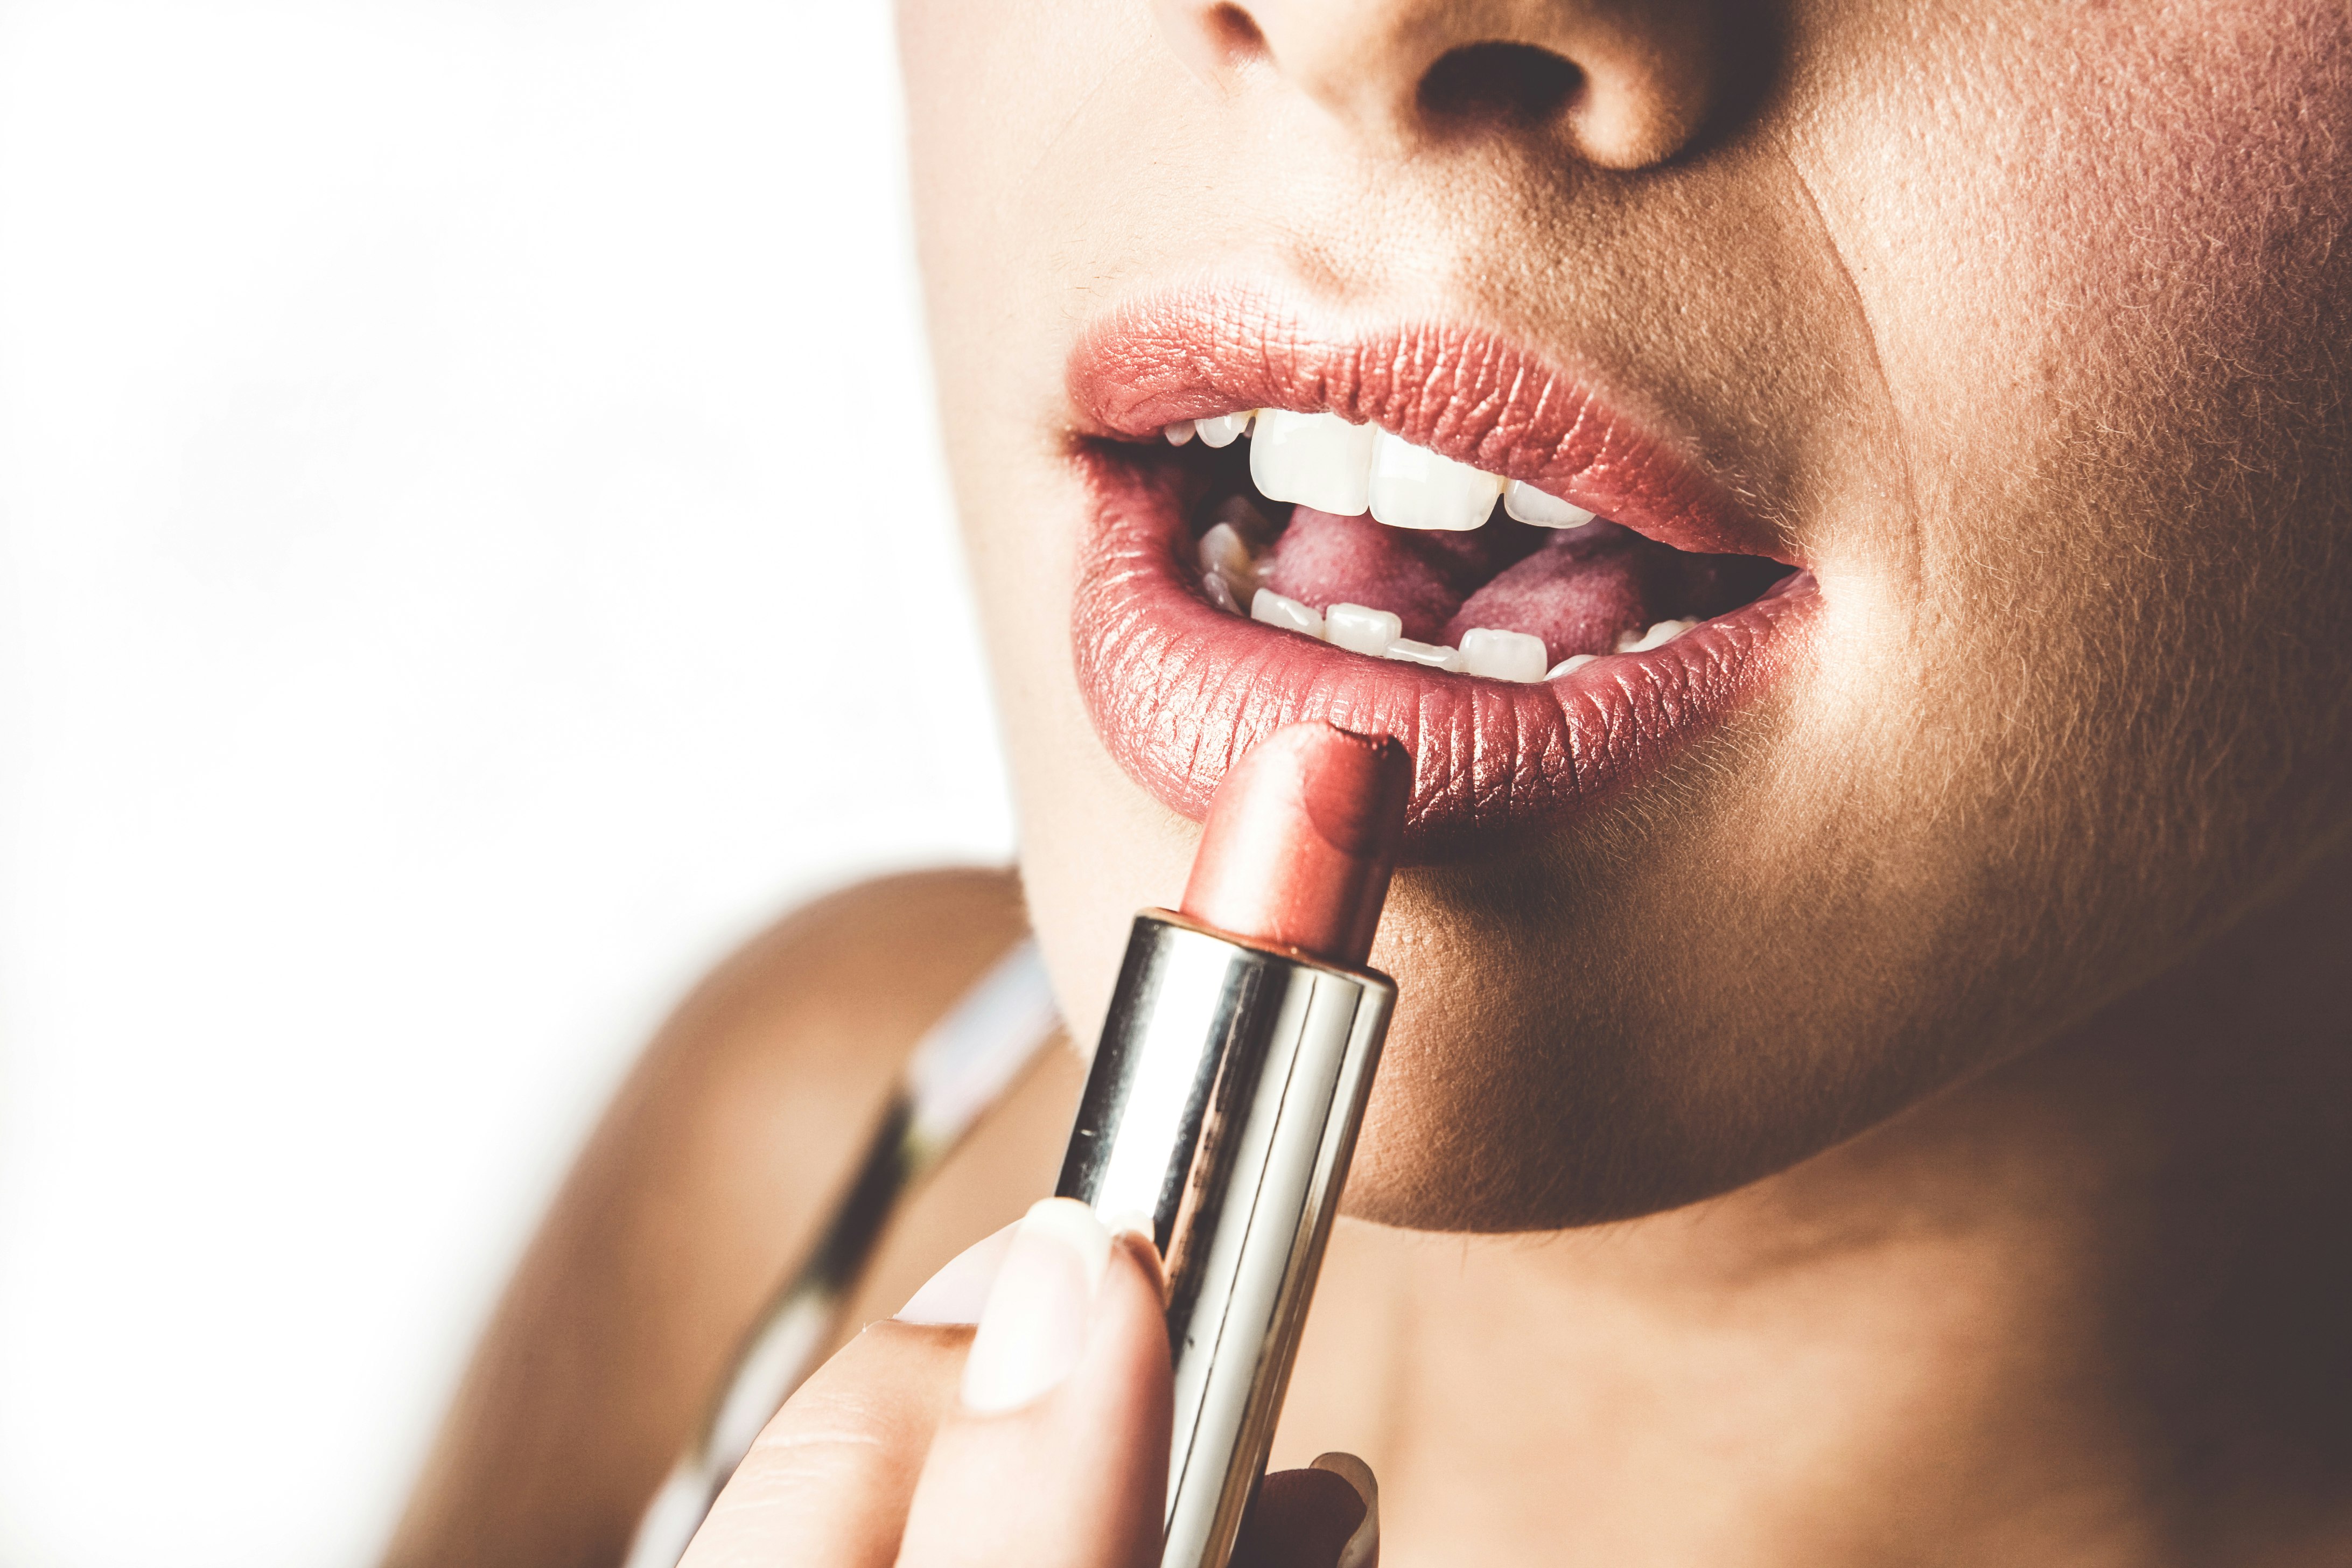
[2100,253]
[1028,123]
[2078,235]
[1095,849]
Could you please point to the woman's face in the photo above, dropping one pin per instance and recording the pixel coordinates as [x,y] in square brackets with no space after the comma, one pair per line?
[1974,375]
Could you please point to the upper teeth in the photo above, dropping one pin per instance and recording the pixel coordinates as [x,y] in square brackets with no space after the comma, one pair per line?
[1527,504]
[1316,459]
[1322,461]
[1413,486]
[1222,429]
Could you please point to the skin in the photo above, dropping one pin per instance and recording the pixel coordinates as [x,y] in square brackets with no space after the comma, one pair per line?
[708,1177]
[1913,1128]
[1977,307]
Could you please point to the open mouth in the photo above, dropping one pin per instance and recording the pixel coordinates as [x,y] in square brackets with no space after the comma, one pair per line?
[1417,533]
[1357,537]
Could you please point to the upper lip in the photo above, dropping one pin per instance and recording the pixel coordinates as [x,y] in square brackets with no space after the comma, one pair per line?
[1466,392]
[1178,689]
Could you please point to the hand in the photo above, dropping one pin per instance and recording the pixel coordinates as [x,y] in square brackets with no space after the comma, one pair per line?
[1038,1441]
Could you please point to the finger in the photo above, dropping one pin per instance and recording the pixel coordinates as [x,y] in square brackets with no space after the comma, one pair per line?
[957,1293]
[1309,1518]
[829,1479]
[1055,1452]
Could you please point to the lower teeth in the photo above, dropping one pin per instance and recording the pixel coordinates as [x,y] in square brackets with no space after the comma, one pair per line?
[1291,615]
[1428,655]
[1658,636]
[1229,576]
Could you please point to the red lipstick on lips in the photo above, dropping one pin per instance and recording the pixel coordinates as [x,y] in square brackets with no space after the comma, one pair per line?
[1229,1083]
[1178,688]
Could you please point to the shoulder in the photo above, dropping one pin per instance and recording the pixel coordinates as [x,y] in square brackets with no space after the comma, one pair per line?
[757,1092]
[878,936]
[836,992]
[708,1175]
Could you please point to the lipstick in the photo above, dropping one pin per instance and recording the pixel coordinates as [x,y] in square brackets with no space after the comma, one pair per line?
[1228,1086]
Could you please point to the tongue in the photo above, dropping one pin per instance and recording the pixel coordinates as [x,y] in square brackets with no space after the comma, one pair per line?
[1578,589]
[1422,575]
[1578,592]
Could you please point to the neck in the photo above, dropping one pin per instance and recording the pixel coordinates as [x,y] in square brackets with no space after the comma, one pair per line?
[2086,1309]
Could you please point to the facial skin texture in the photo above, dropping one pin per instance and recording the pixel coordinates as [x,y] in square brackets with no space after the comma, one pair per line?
[2024,325]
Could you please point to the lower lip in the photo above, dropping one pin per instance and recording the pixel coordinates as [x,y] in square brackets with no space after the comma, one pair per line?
[1179,690]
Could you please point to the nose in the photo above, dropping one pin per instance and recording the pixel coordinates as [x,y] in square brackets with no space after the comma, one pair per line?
[1629,82]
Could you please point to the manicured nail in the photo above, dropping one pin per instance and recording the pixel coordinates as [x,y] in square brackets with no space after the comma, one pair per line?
[957,1293]
[1133,1230]
[1363,1547]
[1034,1329]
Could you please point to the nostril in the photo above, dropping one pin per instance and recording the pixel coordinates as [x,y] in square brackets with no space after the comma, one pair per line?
[1218,42]
[1497,83]
[1232,34]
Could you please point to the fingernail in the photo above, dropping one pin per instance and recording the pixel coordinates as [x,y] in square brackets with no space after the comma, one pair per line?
[1034,1329]
[1133,1222]
[957,1293]
[1133,1231]
[1363,1548]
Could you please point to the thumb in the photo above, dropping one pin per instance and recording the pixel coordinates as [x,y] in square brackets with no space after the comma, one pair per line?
[1325,1516]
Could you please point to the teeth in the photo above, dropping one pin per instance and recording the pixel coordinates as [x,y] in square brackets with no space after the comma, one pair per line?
[1245,520]
[1315,460]
[1289,613]
[1222,429]
[1523,501]
[1658,636]
[1361,629]
[1226,553]
[1503,656]
[1413,486]
[1321,460]
[1423,653]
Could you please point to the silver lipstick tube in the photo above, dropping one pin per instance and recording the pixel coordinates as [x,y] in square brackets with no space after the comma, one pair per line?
[1222,1104]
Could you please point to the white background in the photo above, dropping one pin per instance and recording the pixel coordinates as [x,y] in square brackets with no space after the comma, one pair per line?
[468,507]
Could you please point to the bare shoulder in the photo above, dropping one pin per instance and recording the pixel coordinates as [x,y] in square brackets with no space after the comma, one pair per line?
[707,1176]
[878,945]
[835,992]
[757,1090]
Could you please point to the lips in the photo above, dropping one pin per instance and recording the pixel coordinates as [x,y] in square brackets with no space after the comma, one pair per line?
[1179,688]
